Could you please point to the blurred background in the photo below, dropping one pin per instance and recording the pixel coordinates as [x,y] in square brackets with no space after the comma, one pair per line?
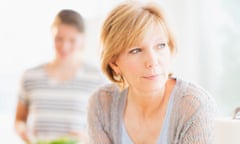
[207,34]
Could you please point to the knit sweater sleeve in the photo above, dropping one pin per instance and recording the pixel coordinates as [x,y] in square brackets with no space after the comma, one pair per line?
[199,109]
[98,110]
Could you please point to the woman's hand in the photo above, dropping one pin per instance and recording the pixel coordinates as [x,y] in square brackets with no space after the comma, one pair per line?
[80,136]
[22,131]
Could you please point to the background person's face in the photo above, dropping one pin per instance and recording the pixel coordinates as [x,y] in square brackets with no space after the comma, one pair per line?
[68,41]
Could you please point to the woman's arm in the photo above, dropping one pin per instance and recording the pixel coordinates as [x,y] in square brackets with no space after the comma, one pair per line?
[20,121]
[198,129]
[79,136]
[97,134]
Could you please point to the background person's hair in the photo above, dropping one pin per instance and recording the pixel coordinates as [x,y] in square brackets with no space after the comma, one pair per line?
[125,26]
[69,17]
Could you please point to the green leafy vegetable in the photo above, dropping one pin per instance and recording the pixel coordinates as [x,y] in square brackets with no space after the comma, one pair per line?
[61,140]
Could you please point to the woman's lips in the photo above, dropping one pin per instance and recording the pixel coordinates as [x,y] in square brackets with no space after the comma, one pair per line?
[151,77]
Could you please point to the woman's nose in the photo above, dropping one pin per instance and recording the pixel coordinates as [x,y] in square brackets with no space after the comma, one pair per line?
[151,59]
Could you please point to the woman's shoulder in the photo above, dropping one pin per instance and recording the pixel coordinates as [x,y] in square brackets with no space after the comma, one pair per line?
[91,73]
[193,93]
[188,88]
[191,97]
[33,72]
[108,88]
[105,93]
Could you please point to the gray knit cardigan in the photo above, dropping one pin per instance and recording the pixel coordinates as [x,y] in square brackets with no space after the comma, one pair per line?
[191,119]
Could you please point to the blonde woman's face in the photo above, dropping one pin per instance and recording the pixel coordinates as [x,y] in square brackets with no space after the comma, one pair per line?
[68,41]
[145,66]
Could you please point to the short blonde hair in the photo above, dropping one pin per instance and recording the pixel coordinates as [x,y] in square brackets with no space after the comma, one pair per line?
[126,26]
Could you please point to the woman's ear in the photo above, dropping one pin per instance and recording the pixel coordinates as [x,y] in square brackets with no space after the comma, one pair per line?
[113,64]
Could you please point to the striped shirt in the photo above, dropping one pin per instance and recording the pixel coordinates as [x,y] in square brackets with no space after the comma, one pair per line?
[56,109]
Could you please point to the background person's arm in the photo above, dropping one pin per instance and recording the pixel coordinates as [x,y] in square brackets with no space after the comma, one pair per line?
[80,136]
[20,121]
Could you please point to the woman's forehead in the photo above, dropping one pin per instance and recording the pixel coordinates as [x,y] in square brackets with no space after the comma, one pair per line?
[155,32]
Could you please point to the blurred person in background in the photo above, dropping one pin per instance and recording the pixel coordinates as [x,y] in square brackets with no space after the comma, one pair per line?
[53,96]
[145,104]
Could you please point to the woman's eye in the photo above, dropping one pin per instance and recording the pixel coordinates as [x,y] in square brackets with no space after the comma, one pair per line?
[134,51]
[162,45]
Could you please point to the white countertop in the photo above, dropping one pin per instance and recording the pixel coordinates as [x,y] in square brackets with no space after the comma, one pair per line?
[227,131]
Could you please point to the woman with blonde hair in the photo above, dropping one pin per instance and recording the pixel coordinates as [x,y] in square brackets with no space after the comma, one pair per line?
[145,104]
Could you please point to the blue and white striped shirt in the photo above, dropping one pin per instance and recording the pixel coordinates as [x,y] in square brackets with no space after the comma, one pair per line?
[57,108]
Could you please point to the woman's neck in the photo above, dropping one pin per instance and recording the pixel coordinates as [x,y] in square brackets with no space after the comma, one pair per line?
[66,63]
[147,103]
[63,70]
